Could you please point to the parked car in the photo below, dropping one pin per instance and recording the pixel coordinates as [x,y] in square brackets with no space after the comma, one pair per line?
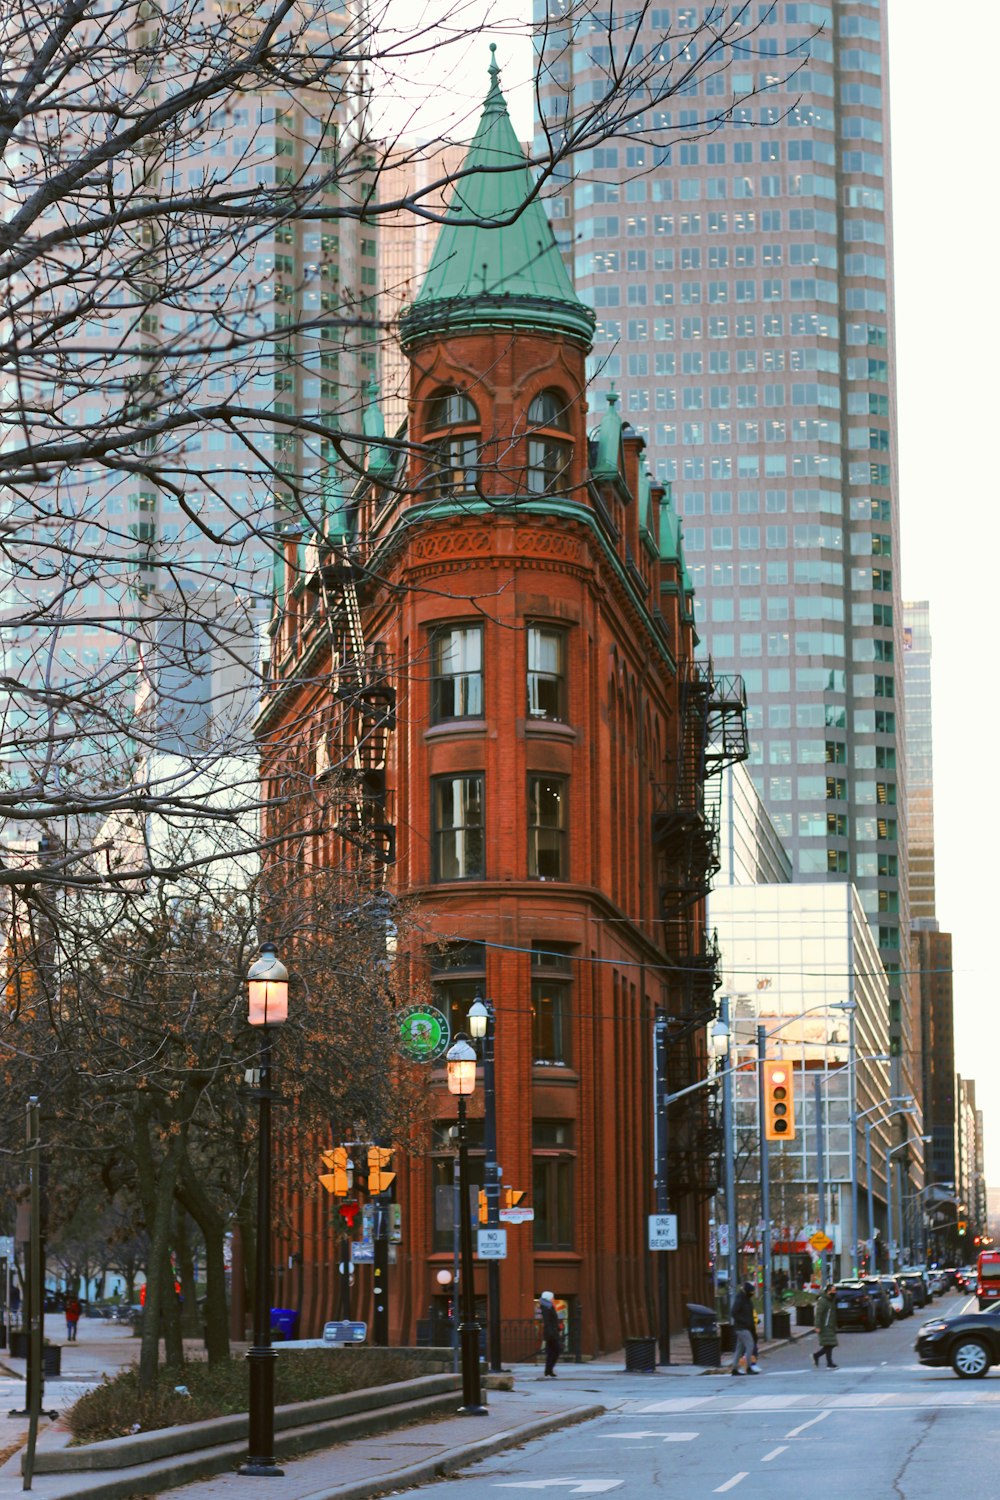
[917,1285]
[855,1305]
[899,1300]
[879,1294]
[969,1342]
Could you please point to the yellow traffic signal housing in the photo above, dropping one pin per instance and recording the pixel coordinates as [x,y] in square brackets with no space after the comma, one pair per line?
[483,1210]
[779,1102]
[512,1197]
[340,1177]
[379,1180]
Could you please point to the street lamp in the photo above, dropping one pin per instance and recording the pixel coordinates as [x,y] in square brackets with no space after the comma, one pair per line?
[481,1017]
[719,1042]
[267,986]
[906,1105]
[911,1141]
[461,1060]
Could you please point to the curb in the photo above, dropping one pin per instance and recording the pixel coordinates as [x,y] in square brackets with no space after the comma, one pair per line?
[456,1458]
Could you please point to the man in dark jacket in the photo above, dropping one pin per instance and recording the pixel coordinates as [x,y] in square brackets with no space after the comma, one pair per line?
[744,1328]
[551,1332]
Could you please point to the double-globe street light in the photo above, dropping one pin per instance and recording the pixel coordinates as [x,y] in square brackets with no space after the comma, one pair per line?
[267,985]
[461,1060]
[905,1105]
[912,1141]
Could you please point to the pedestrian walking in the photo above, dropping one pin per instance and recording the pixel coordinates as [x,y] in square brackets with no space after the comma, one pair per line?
[551,1332]
[73,1311]
[744,1329]
[826,1326]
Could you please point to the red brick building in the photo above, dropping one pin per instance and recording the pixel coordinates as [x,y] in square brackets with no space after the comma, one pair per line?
[519,587]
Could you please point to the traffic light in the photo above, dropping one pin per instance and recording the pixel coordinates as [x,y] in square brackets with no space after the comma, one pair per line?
[339,1178]
[483,1210]
[512,1197]
[779,1102]
[962,1226]
[379,1180]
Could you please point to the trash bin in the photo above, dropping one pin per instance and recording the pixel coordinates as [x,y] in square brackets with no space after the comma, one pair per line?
[640,1356]
[805,1316]
[285,1323]
[19,1343]
[781,1325]
[51,1359]
[703,1331]
[727,1338]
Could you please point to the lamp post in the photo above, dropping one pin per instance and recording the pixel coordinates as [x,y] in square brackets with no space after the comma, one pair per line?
[910,1141]
[461,1060]
[905,1104]
[267,985]
[721,1036]
[482,1028]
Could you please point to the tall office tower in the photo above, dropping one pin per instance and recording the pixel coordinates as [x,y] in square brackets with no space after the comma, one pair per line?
[735,242]
[164,376]
[919,758]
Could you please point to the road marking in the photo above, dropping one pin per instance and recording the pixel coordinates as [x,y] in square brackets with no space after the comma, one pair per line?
[675,1403]
[575,1486]
[765,1403]
[637,1435]
[811,1423]
[731,1483]
[774,1453]
[680,1437]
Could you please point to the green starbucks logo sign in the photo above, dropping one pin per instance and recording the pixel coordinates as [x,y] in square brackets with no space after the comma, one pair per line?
[424,1033]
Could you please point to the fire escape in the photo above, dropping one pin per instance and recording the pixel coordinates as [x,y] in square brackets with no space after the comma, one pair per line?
[712,735]
[353,753]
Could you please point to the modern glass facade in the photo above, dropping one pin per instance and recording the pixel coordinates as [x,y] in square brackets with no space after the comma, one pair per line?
[789,953]
[735,242]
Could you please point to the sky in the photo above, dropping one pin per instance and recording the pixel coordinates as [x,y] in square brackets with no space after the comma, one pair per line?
[948,340]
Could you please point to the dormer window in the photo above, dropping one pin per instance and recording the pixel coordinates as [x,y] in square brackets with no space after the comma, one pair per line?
[454,435]
[549,448]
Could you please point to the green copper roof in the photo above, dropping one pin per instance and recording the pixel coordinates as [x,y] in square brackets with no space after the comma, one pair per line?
[670,533]
[336,523]
[608,461]
[496,262]
[381,462]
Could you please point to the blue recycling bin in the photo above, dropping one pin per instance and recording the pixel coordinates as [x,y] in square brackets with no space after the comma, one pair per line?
[284,1323]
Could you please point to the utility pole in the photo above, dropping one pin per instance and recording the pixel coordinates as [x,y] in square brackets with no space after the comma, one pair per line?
[728,1157]
[820,1171]
[660,1182]
[765,1184]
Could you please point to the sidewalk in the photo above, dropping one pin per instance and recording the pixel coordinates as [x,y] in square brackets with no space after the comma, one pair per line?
[356,1470]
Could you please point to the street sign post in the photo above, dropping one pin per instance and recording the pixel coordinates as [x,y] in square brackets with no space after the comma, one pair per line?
[516,1215]
[492,1244]
[663,1231]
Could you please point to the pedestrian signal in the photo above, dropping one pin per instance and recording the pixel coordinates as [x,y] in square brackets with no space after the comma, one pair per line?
[340,1177]
[512,1197]
[779,1102]
[379,1180]
[484,1212]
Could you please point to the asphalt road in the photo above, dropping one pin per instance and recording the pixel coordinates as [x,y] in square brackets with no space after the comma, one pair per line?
[881,1427]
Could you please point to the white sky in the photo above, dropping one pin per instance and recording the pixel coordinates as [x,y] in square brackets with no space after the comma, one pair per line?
[945,184]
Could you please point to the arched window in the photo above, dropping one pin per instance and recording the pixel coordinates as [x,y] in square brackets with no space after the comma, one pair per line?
[453,433]
[549,448]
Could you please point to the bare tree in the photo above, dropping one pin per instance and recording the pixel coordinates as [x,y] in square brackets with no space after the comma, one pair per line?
[188,262]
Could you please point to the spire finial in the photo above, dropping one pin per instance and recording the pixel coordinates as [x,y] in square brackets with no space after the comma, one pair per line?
[493,70]
[612,395]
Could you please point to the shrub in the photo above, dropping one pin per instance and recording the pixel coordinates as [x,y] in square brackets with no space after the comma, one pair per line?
[117,1407]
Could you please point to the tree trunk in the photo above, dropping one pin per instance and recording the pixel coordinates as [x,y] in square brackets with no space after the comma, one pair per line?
[196,1201]
[157,1182]
[173,1338]
[248,1238]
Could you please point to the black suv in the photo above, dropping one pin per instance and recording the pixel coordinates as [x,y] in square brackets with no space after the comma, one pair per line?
[879,1294]
[970,1342]
[855,1305]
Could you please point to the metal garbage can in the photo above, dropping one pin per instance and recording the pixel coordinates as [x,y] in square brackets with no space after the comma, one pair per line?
[52,1359]
[640,1356]
[781,1325]
[703,1332]
[805,1315]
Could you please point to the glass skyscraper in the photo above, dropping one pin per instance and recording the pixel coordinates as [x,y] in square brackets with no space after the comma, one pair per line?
[735,241]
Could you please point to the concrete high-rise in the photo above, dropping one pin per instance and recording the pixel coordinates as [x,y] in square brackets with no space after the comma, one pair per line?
[919,757]
[736,244]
